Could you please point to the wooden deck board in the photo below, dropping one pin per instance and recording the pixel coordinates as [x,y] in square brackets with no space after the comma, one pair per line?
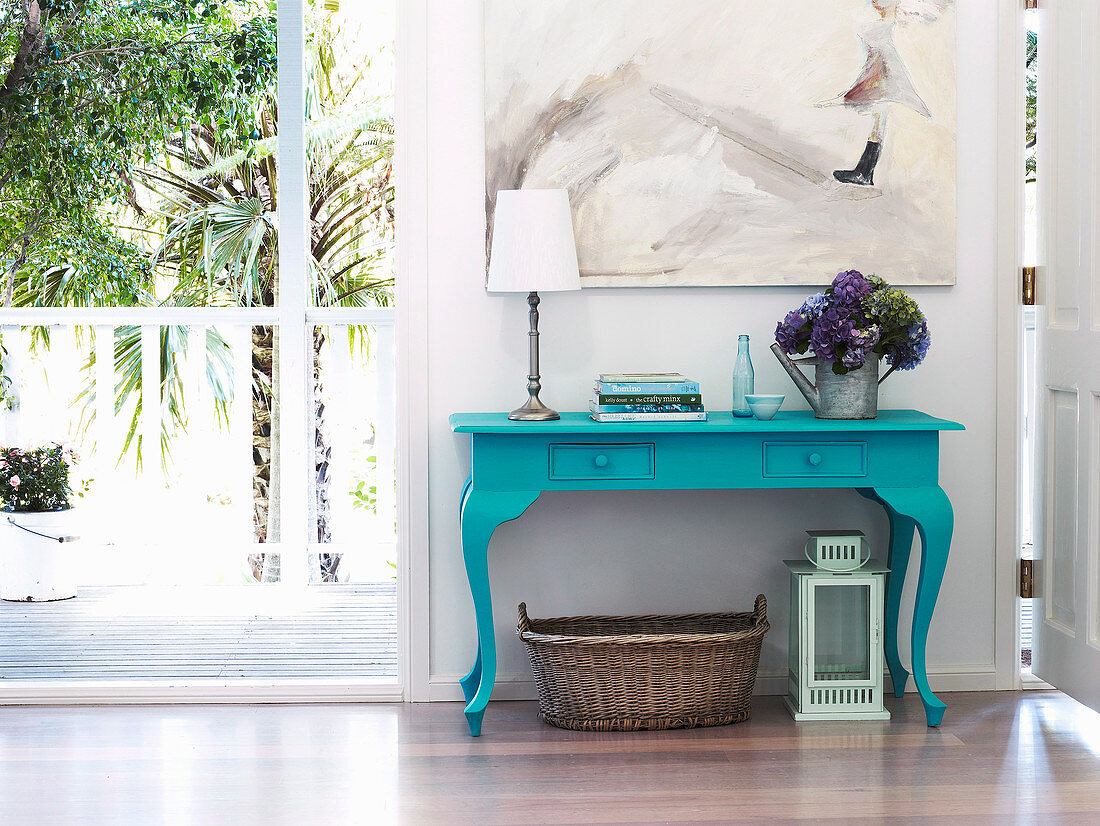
[217,632]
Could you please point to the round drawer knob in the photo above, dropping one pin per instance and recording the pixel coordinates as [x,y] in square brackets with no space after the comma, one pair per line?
[600,460]
[814,459]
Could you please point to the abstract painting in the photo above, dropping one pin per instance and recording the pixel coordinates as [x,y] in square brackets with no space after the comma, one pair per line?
[717,142]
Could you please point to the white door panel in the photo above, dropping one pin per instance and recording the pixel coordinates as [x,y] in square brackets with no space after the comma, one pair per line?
[1067,462]
[1060,559]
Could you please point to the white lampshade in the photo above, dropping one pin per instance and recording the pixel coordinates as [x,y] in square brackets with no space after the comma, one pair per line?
[533,245]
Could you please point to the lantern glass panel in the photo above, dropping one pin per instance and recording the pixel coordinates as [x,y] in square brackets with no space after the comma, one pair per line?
[842,643]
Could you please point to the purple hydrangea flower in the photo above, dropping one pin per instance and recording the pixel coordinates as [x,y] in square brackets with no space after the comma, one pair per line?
[849,287]
[859,345]
[853,358]
[864,339]
[790,332]
[834,327]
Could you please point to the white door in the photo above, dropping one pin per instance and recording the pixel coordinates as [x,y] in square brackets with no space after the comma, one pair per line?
[1067,468]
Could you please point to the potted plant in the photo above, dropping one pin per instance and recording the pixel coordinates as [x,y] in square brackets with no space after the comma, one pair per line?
[37,561]
[850,326]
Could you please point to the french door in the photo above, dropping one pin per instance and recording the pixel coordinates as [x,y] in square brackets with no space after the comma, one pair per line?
[1067,384]
[243,434]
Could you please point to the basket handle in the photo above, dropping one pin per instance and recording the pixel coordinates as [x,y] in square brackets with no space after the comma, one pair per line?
[524,623]
[760,610]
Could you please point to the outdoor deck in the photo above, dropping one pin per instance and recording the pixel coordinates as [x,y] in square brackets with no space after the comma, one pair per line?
[192,632]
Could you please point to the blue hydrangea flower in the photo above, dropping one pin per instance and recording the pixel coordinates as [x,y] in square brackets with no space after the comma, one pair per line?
[907,353]
[813,307]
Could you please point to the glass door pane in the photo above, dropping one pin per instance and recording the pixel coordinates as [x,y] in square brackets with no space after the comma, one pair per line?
[350,130]
[355,434]
[842,644]
[137,166]
[172,426]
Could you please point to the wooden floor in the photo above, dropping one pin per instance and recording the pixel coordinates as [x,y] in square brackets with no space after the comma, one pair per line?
[195,632]
[998,758]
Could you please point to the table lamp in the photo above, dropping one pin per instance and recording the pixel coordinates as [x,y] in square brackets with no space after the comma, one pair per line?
[533,251]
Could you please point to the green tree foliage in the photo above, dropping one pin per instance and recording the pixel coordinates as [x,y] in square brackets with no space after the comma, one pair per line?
[216,209]
[88,89]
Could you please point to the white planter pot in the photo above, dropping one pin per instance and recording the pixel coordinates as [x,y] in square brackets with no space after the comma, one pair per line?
[35,568]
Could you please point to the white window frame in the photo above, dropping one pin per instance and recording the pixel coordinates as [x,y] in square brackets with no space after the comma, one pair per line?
[295,318]
[411,166]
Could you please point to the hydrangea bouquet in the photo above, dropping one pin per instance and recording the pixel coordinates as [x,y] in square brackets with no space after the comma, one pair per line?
[856,318]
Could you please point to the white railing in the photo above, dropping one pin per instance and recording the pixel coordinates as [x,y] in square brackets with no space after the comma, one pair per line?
[38,413]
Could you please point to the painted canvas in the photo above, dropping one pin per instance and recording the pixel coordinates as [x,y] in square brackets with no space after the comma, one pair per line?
[713,142]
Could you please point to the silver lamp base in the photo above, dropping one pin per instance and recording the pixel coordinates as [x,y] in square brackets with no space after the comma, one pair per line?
[534,410]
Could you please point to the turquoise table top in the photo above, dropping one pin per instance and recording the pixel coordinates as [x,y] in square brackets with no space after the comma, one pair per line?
[802,421]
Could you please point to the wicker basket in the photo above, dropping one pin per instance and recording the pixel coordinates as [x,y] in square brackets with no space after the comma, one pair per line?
[645,672]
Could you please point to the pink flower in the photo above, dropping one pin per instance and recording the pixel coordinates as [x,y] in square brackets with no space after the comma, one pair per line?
[15,481]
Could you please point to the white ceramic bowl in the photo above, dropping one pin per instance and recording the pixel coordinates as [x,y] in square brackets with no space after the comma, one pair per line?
[764,407]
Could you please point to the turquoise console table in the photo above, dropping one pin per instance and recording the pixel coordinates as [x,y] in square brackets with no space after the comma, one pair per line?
[892,460]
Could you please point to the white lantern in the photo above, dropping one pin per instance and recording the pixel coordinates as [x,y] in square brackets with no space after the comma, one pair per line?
[835,650]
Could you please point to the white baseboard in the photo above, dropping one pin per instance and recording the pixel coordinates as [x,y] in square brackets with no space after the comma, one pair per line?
[444,688]
[144,692]
[1029,682]
[964,677]
[441,688]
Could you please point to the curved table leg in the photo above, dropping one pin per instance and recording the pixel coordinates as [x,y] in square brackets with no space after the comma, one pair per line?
[930,510]
[482,512]
[466,486]
[470,682]
[901,544]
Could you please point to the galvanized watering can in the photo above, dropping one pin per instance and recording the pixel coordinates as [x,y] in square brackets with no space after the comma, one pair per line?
[851,396]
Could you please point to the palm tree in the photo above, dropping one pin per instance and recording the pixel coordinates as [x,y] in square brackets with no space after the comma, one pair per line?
[215,224]
[219,243]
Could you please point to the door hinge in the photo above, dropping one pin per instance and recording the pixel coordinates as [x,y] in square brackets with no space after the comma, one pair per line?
[1026,578]
[1028,291]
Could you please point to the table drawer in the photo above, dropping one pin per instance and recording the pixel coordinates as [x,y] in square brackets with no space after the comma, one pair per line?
[815,459]
[615,461]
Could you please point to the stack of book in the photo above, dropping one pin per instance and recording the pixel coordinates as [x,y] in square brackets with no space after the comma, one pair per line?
[646,397]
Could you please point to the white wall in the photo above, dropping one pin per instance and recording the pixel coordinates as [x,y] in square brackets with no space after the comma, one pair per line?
[682,551]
